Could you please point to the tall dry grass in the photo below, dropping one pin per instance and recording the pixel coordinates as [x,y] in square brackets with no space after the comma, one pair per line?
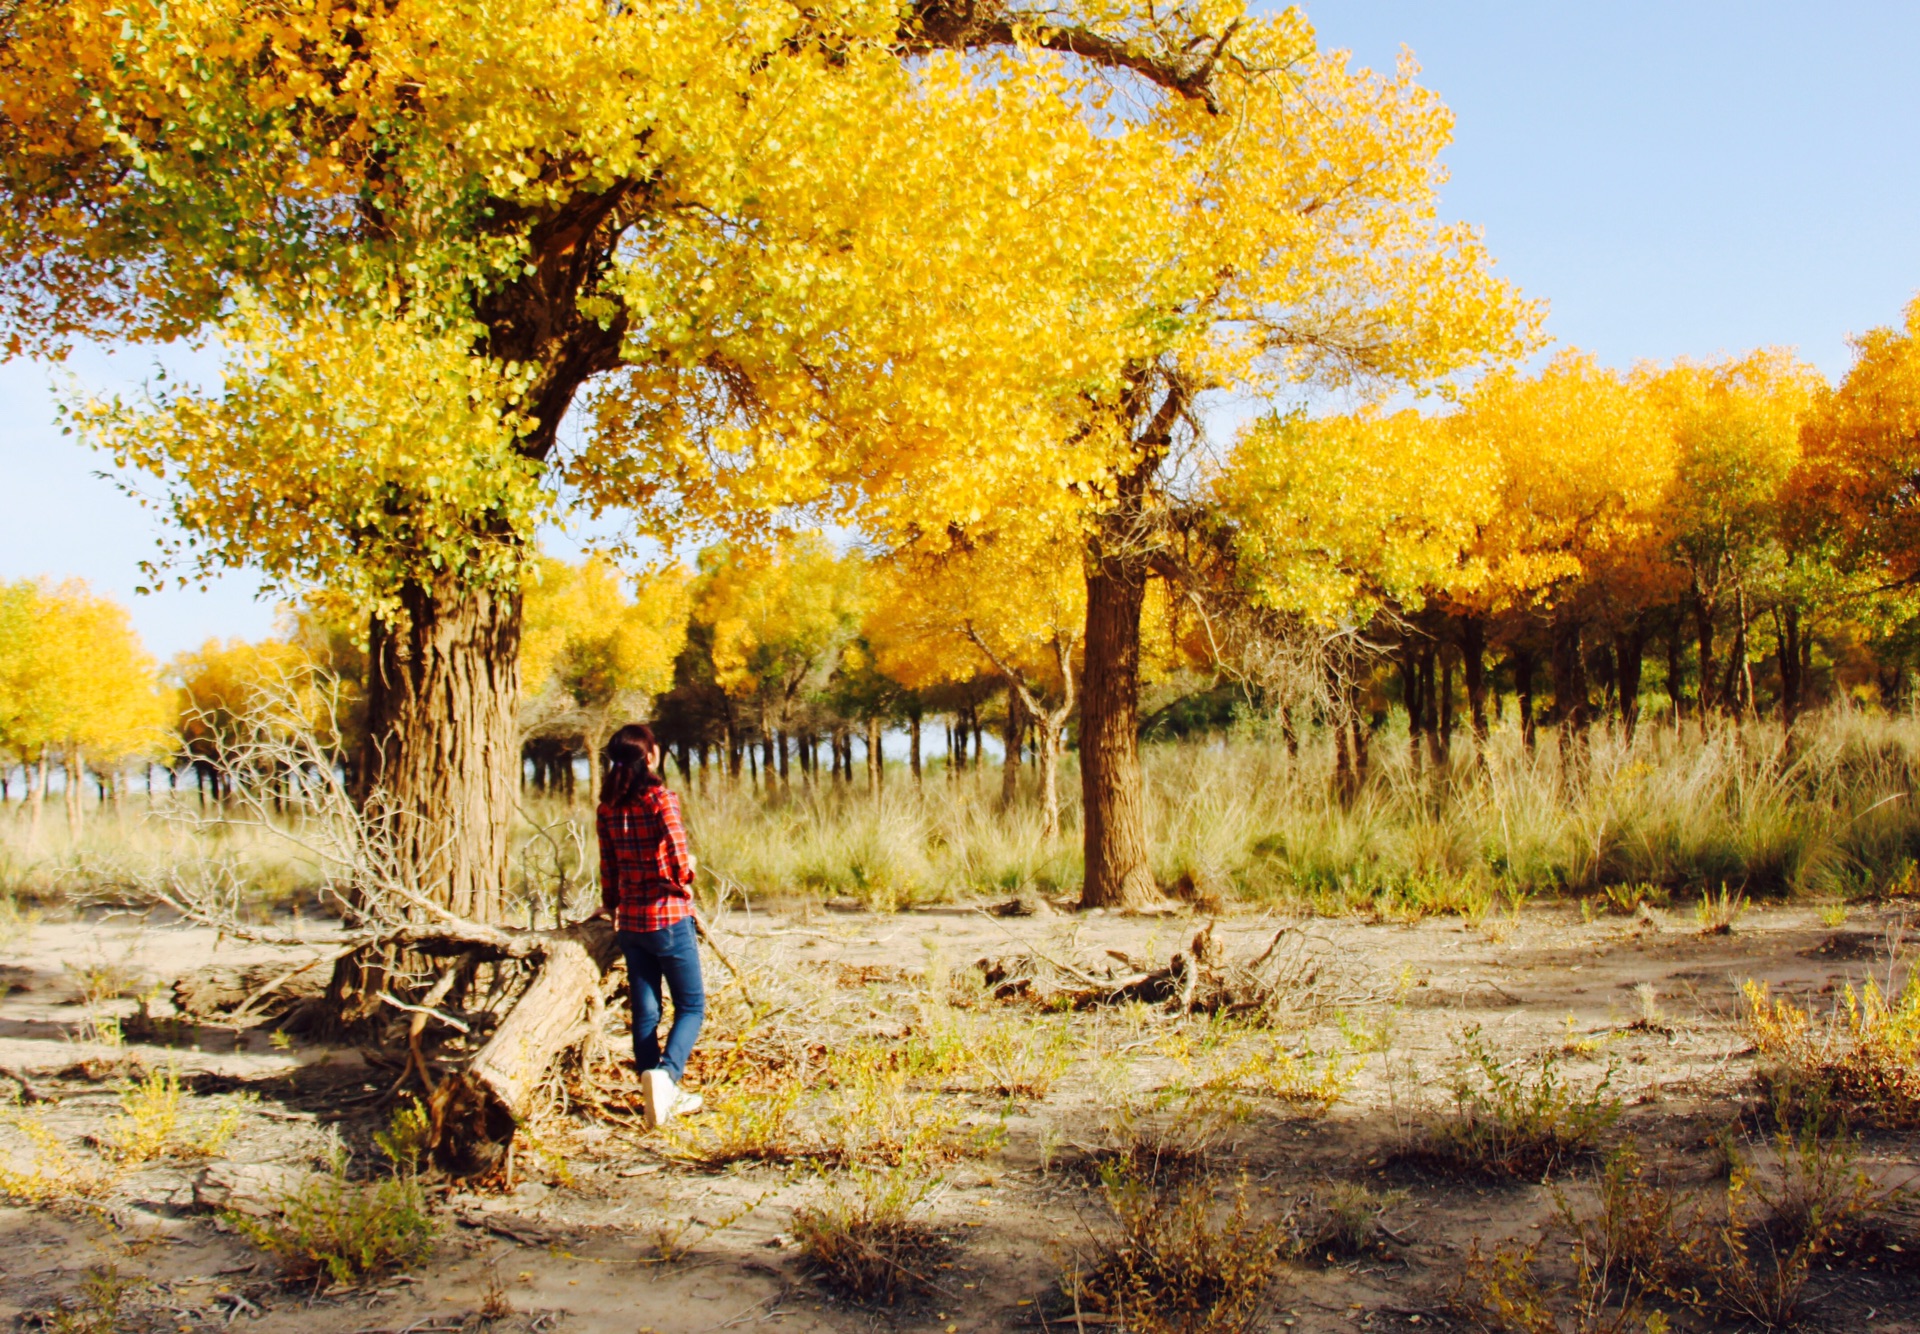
[1830,814]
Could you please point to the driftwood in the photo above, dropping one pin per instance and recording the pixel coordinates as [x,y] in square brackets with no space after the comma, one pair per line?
[1290,975]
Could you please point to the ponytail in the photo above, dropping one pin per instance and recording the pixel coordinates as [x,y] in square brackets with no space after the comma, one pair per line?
[628,773]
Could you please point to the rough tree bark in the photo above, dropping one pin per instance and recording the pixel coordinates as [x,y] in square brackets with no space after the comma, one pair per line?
[1117,873]
[443,680]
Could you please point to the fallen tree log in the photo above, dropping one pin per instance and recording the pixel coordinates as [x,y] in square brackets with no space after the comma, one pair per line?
[544,995]
[475,1111]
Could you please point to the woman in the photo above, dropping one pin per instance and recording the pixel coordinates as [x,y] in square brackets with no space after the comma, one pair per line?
[646,875]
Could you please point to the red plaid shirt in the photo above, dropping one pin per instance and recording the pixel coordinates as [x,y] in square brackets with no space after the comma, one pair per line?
[645,871]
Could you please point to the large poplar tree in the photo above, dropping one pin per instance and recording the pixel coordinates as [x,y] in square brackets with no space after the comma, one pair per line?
[419,229]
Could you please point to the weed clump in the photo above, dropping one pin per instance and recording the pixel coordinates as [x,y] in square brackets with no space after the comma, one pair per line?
[1861,1060]
[863,1241]
[332,1229]
[1341,1219]
[1177,1262]
[1508,1121]
[150,1125]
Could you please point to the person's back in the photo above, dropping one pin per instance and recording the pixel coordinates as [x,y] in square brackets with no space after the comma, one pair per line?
[646,887]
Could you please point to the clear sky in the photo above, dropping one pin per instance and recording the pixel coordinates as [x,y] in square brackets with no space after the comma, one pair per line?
[1677,178]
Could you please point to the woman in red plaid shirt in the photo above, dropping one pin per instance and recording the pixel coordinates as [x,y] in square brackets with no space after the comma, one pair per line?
[646,879]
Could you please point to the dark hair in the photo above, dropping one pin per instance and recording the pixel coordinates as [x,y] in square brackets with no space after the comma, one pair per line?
[628,773]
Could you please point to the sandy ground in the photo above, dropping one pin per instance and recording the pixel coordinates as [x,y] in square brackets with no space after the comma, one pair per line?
[580,1252]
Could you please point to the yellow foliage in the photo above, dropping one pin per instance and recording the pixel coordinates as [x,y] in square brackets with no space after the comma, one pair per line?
[73,677]
[779,616]
[1336,516]
[1862,446]
[1584,463]
[585,634]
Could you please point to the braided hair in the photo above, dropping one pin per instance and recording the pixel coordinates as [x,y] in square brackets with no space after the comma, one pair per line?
[628,773]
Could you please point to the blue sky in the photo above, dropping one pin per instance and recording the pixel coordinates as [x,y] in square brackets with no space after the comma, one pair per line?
[1675,179]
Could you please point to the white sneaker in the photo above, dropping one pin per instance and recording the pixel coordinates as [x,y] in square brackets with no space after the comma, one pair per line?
[664,1100]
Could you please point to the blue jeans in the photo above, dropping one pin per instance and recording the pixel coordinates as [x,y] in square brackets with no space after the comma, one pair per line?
[671,954]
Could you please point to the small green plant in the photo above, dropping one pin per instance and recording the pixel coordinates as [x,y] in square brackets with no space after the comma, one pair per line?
[1178,1260]
[1833,915]
[98,1308]
[333,1229]
[864,1242]
[1501,1293]
[405,1140]
[1515,1121]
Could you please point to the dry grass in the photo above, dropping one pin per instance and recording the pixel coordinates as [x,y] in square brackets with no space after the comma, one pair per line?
[1232,818]
[864,1241]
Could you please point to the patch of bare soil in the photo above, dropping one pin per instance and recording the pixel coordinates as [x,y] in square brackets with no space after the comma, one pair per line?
[1010,1116]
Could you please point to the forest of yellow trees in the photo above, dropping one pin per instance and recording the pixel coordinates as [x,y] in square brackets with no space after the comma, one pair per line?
[1568,548]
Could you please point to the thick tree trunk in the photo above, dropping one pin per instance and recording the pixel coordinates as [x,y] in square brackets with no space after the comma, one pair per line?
[1113,804]
[913,742]
[443,680]
[876,757]
[1473,668]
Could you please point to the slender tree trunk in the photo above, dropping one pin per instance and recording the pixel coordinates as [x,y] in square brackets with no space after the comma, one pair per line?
[1010,759]
[1793,680]
[1629,653]
[1430,702]
[1410,691]
[74,791]
[1446,709]
[36,798]
[1473,667]
[913,743]
[1112,802]
[1048,760]
[876,756]
[443,682]
[1676,669]
[1571,707]
[1741,655]
[1524,666]
[1703,613]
